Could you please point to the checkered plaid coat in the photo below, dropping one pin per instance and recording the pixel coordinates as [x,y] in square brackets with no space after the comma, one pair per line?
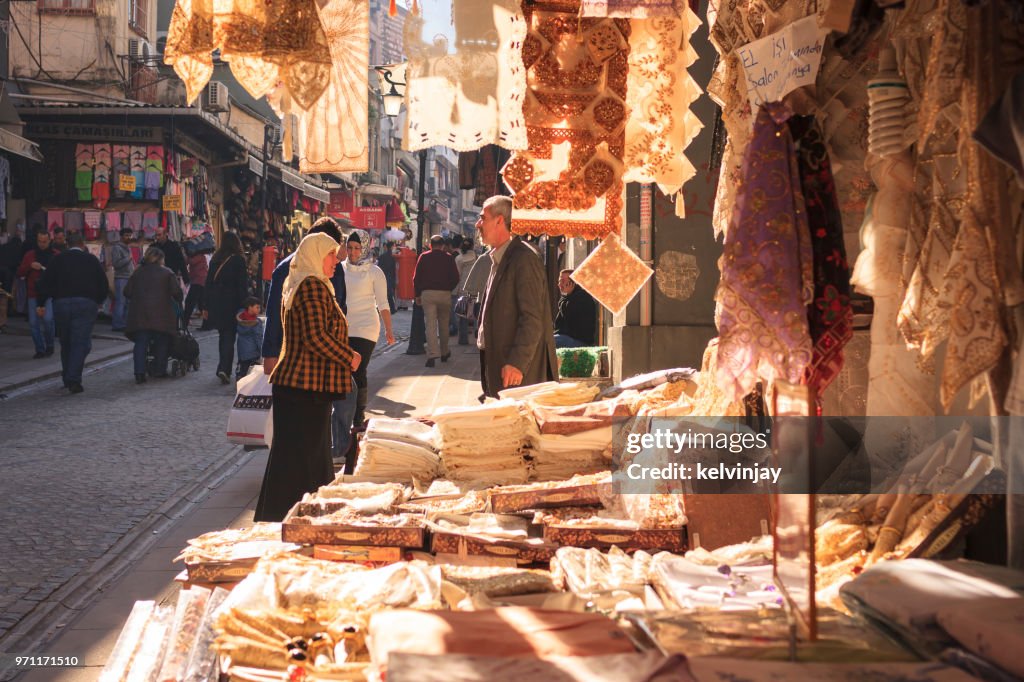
[315,355]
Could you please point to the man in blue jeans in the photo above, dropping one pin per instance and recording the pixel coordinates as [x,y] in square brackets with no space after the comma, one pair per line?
[77,284]
[33,264]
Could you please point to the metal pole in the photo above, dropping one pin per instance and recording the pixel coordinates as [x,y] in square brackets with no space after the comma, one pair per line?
[263,211]
[418,330]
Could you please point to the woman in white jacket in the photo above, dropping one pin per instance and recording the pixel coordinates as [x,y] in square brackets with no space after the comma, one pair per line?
[367,299]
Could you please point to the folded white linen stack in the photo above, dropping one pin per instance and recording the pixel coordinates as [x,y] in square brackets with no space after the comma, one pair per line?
[399,449]
[483,443]
[556,457]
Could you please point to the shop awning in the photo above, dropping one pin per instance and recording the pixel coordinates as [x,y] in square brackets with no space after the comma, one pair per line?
[377,190]
[292,179]
[314,192]
[16,144]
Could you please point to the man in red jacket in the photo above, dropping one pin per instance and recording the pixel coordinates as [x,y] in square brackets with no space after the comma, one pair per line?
[33,265]
[435,276]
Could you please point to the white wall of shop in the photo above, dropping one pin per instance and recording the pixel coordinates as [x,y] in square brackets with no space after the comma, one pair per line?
[84,48]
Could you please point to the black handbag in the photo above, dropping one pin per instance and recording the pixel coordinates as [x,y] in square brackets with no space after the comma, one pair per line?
[464,306]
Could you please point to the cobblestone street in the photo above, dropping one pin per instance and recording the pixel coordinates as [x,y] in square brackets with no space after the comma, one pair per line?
[81,472]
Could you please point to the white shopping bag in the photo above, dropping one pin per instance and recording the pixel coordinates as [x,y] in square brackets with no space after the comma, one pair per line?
[250,421]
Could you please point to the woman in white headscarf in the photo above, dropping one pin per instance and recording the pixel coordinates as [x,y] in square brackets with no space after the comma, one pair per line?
[367,299]
[314,369]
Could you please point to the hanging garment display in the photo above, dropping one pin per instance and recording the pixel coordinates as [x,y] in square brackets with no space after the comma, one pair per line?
[74,221]
[93,220]
[154,171]
[830,317]
[112,220]
[84,160]
[569,181]
[268,44]
[150,222]
[101,176]
[474,96]
[767,266]
[612,274]
[332,132]
[121,166]
[133,221]
[54,219]
[138,170]
[659,94]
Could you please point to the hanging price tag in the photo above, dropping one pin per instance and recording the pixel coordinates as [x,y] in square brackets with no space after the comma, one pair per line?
[126,183]
[172,202]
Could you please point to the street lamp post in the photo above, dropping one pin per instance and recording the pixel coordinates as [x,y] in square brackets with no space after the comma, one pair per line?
[267,133]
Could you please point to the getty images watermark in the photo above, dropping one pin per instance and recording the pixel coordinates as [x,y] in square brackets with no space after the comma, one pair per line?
[703,454]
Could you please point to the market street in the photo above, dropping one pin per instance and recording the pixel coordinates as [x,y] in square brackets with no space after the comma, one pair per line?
[102,475]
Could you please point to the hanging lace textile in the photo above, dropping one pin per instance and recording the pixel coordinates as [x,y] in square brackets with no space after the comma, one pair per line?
[767,267]
[612,274]
[830,317]
[473,97]
[267,43]
[569,181]
[333,133]
[659,94]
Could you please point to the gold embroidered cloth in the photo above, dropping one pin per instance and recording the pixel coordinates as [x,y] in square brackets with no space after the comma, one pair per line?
[332,135]
[266,42]
[659,94]
[569,180]
[632,9]
[612,274]
[473,97]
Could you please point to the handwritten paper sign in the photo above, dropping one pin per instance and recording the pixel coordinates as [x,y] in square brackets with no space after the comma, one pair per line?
[782,62]
[126,183]
[630,9]
[172,202]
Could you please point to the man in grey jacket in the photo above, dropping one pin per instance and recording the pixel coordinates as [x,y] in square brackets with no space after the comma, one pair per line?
[124,265]
[516,338]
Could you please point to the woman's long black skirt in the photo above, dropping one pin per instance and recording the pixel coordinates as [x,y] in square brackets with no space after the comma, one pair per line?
[300,457]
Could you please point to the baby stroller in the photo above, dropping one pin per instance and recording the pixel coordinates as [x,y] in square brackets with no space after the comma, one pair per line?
[183,351]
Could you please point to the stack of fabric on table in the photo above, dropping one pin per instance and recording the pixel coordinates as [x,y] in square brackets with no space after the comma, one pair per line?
[399,449]
[484,443]
[575,439]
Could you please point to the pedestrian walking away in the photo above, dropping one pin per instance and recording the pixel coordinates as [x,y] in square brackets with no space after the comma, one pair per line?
[314,369]
[367,308]
[226,288]
[198,270]
[152,292]
[33,265]
[465,262]
[77,284]
[389,267]
[124,265]
[435,278]
[515,338]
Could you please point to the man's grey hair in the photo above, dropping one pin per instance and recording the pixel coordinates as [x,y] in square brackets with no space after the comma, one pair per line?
[153,255]
[499,205]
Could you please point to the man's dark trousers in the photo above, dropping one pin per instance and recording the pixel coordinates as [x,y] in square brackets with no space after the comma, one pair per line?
[74,318]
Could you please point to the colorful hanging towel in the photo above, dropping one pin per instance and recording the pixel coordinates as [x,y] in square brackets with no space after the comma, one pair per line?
[150,221]
[133,220]
[112,220]
[84,161]
[93,220]
[74,221]
[138,162]
[54,219]
[101,176]
[154,171]
[122,166]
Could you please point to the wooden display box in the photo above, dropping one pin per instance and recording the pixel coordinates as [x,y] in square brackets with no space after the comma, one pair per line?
[569,496]
[220,571]
[522,552]
[411,537]
[359,554]
[650,539]
[718,520]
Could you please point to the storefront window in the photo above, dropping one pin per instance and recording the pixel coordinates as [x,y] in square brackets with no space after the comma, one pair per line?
[67,6]
[136,16]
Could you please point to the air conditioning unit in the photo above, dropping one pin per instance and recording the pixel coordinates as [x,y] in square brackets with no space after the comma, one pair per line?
[431,185]
[140,50]
[275,134]
[392,182]
[216,97]
[408,195]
